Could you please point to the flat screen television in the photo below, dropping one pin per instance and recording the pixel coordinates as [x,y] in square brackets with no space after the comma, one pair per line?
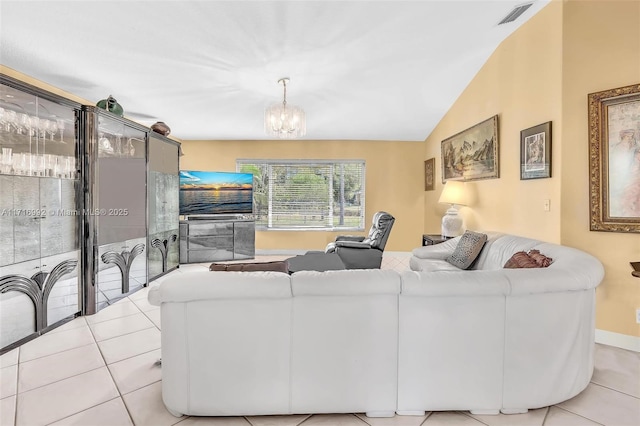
[214,193]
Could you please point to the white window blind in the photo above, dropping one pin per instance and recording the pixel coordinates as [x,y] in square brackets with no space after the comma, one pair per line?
[310,194]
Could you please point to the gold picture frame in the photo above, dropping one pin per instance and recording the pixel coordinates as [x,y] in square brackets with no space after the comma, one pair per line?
[473,153]
[614,159]
[429,174]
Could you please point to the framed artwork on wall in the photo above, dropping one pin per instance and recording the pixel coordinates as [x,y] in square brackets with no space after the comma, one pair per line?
[614,159]
[429,174]
[535,152]
[473,153]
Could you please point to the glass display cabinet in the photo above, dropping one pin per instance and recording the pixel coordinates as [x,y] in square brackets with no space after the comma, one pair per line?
[88,209]
[163,185]
[40,205]
[116,215]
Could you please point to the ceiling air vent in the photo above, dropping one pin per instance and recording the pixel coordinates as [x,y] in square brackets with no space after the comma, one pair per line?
[515,13]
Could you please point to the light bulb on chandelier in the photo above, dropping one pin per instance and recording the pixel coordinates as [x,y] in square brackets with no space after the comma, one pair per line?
[284,121]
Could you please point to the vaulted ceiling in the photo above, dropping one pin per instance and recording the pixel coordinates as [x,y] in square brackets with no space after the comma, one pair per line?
[362,70]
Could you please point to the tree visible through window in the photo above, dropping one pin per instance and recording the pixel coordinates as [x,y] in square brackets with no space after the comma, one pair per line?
[316,194]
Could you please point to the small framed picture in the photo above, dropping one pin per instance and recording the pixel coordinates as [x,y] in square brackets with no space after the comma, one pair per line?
[535,152]
[429,174]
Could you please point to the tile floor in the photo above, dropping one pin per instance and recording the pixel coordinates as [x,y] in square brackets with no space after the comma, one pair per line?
[100,370]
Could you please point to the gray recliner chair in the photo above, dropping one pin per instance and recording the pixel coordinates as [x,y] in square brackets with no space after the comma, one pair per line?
[357,252]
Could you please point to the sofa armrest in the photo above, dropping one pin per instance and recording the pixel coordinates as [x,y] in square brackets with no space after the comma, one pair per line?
[353,244]
[349,238]
[357,258]
[438,251]
[153,296]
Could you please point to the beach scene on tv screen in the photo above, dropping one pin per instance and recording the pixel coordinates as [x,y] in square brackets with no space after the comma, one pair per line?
[203,192]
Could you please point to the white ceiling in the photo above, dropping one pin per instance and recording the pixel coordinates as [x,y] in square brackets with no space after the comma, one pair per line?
[362,70]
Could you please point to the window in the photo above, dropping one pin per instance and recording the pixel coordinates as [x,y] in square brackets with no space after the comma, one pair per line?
[311,194]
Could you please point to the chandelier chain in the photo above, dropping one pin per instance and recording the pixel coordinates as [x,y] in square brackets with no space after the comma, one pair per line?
[284,98]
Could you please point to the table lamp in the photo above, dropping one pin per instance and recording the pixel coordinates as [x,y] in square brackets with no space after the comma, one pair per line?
[455,194]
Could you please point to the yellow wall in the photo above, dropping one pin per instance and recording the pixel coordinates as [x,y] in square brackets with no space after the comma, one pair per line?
[601,51]
[521,84]
[543,72]
[394,182]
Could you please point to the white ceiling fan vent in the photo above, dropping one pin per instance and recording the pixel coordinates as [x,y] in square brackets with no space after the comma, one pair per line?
[515,13]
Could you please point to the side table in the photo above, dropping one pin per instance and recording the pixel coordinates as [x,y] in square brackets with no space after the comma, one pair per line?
[432,239]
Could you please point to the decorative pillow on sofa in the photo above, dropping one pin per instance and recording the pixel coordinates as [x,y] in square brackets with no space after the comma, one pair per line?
[520,260]
[533,259]
[467,250]
[542,260]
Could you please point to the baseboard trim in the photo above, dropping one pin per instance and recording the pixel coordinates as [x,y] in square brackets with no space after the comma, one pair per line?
[618,340]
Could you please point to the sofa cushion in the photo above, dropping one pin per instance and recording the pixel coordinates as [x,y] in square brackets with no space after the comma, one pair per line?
[467,250]
[277,266]
[459,283]
[200,284]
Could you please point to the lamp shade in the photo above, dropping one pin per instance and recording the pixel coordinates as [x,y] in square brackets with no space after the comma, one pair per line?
[454,192]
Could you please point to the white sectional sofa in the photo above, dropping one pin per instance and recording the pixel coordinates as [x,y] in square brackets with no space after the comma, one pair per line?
[250,343]
[495,339]
[380,341]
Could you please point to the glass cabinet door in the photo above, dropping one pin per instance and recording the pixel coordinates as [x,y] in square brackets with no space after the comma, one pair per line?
[119,208]
[163,207]
[39,213]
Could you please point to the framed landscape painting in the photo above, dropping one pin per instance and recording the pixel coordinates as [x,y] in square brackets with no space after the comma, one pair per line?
[473,153]
[535,152]
[614,159]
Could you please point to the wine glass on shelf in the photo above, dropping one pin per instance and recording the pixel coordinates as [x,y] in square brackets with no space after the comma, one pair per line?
[17,163]
[22,123]
[52,129]
[60,123]
[118,145]
[34,125]
[3,119]
[104,145]
[44,128]
[6,161]
[11,120]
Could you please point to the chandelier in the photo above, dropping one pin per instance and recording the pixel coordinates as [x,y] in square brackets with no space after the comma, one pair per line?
[285,121]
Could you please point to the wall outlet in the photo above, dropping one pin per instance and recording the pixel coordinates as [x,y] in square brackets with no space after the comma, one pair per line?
[638,316]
